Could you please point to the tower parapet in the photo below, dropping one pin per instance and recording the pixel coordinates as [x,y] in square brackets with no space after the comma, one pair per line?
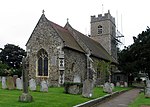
[106,16]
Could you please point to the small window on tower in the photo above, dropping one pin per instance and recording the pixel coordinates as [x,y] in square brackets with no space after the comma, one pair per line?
[100,29]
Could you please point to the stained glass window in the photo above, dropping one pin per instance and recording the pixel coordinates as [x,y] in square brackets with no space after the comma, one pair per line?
[40,66]
[45,66]
[42,63]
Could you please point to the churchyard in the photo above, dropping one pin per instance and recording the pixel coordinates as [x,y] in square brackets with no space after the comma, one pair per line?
[55,97]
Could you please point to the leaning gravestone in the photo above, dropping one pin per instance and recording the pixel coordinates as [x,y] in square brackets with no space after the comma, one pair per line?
[32,85]
[147,89]
[44,86]
[4,86]
[19,84]
[10,83]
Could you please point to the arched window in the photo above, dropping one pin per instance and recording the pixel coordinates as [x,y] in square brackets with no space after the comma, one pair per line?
[100,29]
[42,63]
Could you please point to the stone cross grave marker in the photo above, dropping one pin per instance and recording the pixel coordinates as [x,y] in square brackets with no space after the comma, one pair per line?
[25,97]
[88,84]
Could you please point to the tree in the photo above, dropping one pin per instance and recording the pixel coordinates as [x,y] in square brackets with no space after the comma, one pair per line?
[136,57]
[3,68]
[12,56]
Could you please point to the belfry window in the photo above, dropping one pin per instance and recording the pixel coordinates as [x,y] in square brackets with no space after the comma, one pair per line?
[100,29]
[42,63]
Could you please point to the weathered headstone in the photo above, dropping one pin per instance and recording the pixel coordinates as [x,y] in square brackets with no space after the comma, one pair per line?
[0,78]
[14,78]
[147,89]
[107,87]
[125,84]
[25,97]
[10,83]
[44,86]
[121,84]
[112,86]
[32,84]
[19,84]
[118,84]
[87,88]
[77,79]
[4,86]
[74,89]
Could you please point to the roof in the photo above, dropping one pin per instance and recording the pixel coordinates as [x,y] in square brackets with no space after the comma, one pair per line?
[67,37]
[96,48]
[71,42]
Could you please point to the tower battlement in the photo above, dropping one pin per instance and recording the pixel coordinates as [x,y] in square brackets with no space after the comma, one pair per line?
[106,16]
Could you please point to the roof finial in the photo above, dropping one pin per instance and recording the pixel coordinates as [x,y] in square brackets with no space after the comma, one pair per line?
[43,11]
[67,20]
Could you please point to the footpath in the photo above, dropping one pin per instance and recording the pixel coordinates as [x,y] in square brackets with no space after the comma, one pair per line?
[121,100]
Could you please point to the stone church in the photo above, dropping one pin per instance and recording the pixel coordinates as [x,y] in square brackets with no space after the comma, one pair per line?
[63,54]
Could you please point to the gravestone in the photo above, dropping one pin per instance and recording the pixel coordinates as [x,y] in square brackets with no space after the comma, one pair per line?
[125,84]
[14,78]
[25,97]
[107,87]
[112,86]
[147,89]
[0,79]
[19,84]
[87,88]
[77,79]
[118,84]
[121,84]
[74,89]
[4,86]
[32,84]
[44,86]
[10,83]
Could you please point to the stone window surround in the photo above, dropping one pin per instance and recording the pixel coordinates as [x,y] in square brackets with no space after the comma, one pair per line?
[99,30]
[37,57]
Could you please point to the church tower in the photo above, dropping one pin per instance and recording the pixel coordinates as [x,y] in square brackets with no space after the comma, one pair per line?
[103,30]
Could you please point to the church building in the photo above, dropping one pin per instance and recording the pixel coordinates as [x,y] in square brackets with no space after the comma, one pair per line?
[63,54]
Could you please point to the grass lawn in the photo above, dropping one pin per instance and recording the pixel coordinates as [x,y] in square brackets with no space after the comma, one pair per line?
[54,98]
[140,100]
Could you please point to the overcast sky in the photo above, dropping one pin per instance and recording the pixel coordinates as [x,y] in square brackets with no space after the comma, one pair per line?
[19,17]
